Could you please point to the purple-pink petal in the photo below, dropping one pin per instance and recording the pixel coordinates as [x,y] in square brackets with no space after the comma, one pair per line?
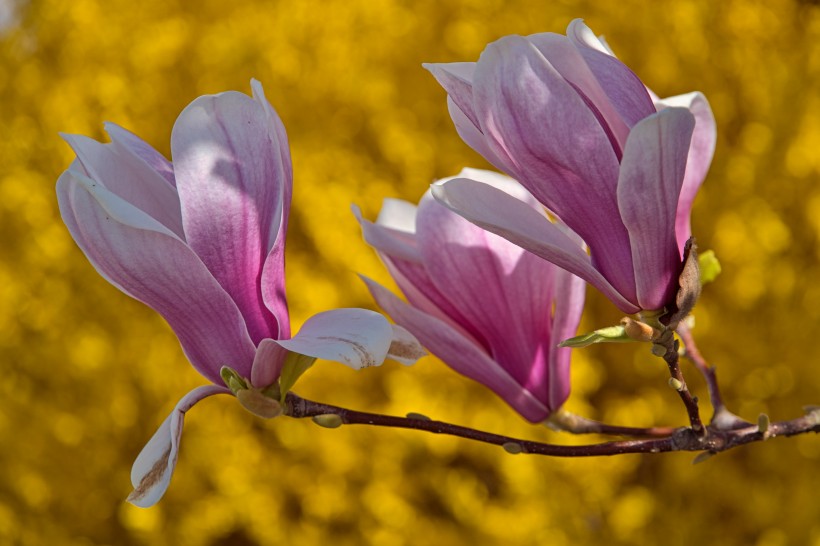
[460,353]
[562,154]
[231,184]
[142,150]
[150,263]
[648,190]
[267,363]
[128,176]
[516,221]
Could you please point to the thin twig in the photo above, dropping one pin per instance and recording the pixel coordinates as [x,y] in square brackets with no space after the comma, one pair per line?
[569,422]
[721,416]
[668,346]
[709,439]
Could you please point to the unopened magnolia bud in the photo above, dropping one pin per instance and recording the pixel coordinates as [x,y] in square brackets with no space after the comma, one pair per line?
[513,447]
[676,384]
[639,331]
[658,350]
[259,404]
[763,423]
[704,456]
[328,420]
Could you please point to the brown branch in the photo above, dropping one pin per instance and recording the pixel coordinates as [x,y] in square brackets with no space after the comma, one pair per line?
[721,416]
[710,439]
[666,346]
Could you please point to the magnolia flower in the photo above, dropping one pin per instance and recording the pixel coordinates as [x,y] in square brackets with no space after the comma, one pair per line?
[202,242]
[487,308]
[581,132]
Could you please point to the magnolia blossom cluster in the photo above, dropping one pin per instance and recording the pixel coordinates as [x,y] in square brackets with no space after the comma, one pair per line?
[602,176]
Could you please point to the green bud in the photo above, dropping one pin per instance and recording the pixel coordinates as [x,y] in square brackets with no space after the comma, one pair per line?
[258,404]
[328,420]
[610,334]
[658,350]
[763,423]
[513,448]
[232,379]
[676,384]
[418,416]
[709,267]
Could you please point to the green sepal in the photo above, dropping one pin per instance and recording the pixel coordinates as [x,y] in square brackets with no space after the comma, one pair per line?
[232,379]
[709,267]
[295,365]
[610,334]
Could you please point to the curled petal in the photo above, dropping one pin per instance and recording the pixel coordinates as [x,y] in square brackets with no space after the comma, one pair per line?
[405,348]
[147,261]
[457,80]
[152,471]
[357,338]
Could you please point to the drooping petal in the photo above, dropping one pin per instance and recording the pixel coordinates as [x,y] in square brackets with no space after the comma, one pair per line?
[273,271]
[267,363]
[152,471]
[562,154]
[516,221]
[624,89]
[704,138]
[357,338]
[147,261]
[568,298]
[649,187]
[128,176]
[142,150]
[461,354]
[231,184]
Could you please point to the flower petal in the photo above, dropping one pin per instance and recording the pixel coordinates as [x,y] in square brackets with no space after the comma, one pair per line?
[568,299]
[120,171]
[471,134]
[152,471]
[460,353]
[568,61]
[704,138]
[358,338]
[562,154]
[405,348]
[231,181]
[273,271]
[147,261]
[625,90]
[267,363]
[649,187]
[502,291]
[457,80]
[142,150]
[516,221]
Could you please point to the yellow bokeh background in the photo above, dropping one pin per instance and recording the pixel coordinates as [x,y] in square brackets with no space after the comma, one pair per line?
[88,374]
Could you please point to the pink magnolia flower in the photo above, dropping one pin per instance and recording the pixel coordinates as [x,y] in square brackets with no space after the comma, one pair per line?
[581,132]
[487,308]
[202,242]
